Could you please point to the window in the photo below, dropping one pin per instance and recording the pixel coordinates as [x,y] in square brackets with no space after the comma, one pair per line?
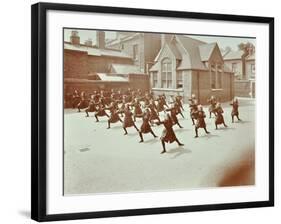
[122,46]
[179,80]
[213,76]
[234,67]
[253,68]
[154,79]
[166,73]
[219,77]
[135,52]
[216,76]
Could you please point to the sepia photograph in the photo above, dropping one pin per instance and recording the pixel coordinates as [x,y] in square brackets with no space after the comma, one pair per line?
[148,112]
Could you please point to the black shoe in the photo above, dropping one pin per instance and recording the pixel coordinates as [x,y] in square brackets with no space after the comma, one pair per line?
[163,152]
[125,133]
[196,136]
[208,132]
[140,141]
[180,144]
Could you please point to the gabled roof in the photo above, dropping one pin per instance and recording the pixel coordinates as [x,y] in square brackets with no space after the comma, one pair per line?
[191,53]
[206,51]
[125,69]
[192,58]
[172,48]
[96,51]
[233,55]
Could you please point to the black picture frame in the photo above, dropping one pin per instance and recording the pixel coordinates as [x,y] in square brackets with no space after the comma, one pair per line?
[39,121]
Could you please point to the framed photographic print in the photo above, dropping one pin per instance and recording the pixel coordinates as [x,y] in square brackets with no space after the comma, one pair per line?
[140,111]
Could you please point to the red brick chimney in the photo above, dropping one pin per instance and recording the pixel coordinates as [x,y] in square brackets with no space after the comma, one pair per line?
[100,40]
[74,38]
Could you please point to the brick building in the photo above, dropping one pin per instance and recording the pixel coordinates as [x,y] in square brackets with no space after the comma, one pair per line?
[242,63]
[89,67]
[142,47]
[185,66]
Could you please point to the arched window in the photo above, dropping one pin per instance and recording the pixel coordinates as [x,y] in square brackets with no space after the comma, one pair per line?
[166,73]
[216,76]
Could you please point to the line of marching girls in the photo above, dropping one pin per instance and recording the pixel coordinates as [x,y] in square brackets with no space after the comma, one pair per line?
[128,106]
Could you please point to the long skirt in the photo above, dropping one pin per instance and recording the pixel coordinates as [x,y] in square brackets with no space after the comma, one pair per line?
[100,113]
[200,123]
[234,113]
[153,115]
[82,104]
[219,119]
[168,136]
[128,122]
[114,118]
[145,128]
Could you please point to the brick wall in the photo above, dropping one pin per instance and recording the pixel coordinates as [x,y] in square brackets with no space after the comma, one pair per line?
[75,64]
[139,81]
[201,86]
[242,88]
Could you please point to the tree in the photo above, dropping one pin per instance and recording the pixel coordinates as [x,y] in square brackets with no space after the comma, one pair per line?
[248,48]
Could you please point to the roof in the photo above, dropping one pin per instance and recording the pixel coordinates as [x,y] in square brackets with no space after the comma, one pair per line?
[129,36]
[96,51]
[111,78]
[233,55]
[103,78]
[206,51]
[125,69]
[190,53]
[192,59]
[172,48]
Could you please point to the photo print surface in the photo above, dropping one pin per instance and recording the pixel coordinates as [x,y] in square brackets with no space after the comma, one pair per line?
[157,111]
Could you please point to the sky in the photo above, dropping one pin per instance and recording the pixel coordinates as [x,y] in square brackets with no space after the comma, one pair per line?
[86,34]
[223,42]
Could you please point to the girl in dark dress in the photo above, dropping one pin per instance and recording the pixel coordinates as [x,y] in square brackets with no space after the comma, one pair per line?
[137,109]
[168,134]
[100,112]
[75,98]
[178,109]
[114,117]
[193,108]
[128,120]
[83,102]
[161,104]
[122,107]
[153,112]
[179,101]
[173,111]
[91,106]
[219,116]
[200,123]
[212,107]
[235,111]
[145,127]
